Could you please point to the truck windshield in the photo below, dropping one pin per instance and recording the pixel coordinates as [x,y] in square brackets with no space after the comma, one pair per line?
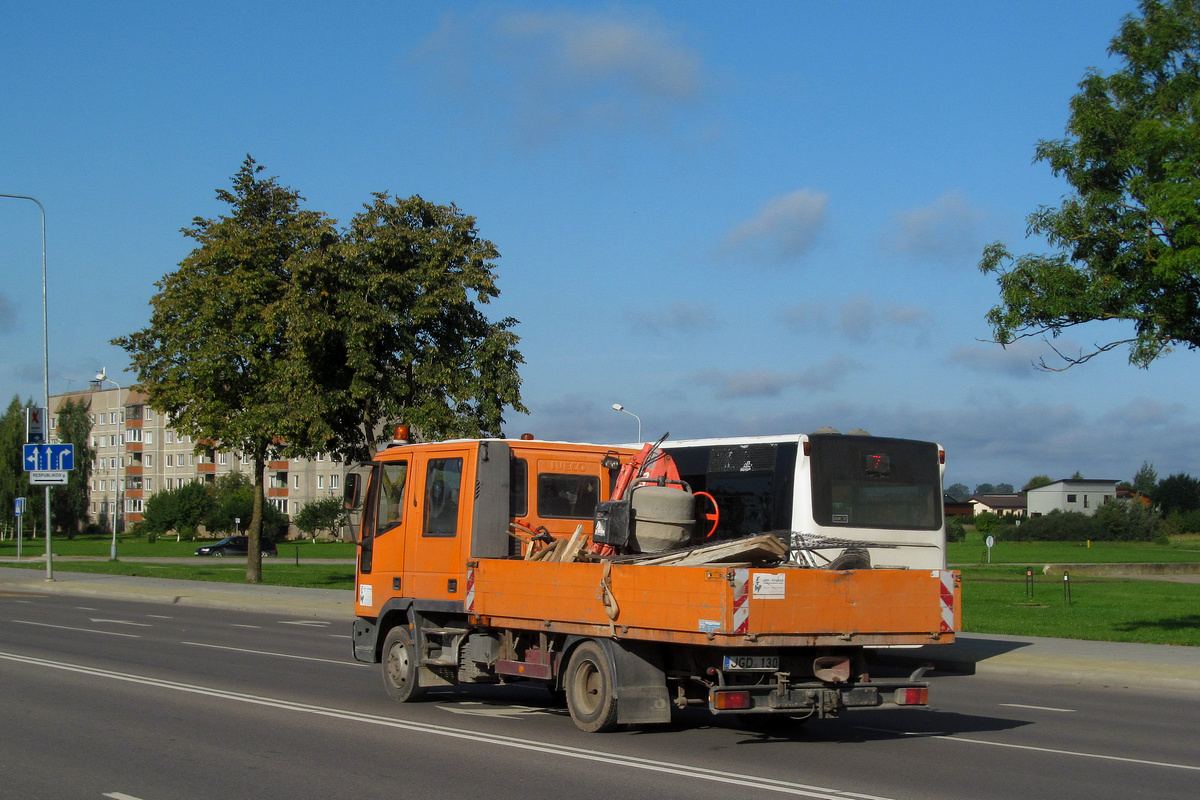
[873,482]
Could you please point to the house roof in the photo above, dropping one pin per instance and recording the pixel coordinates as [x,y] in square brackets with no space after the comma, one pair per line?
[1069,482]
[1014,501]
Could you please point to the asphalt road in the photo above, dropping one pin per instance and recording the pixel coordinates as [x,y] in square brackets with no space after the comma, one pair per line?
[105,698]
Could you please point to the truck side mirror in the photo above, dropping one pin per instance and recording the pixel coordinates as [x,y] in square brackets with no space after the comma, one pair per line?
[350,495]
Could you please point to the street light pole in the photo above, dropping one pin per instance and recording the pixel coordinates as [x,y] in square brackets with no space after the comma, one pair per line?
[45,365]
[102,378]
[619,407]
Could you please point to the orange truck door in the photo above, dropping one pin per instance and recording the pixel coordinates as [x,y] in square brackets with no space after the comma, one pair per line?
[441,487]
[381,555]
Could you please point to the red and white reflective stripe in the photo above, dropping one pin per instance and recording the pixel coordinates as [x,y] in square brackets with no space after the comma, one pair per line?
[947,601]
[469,603]
[741,600]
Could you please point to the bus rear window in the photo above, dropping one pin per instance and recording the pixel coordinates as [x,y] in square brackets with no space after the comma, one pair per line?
[871,482]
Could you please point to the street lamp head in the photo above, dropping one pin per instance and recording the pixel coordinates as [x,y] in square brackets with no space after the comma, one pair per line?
[618,407]
[100,376]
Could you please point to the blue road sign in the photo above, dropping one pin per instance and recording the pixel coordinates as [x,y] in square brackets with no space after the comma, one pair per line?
[45,457]
[20,506]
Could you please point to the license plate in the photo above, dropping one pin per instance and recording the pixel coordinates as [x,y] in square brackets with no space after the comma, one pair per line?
[752,663]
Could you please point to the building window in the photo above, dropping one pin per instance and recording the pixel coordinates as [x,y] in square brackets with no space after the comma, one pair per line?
[333,481]
[170,460]
[148,460]
[149,437]
[1085,501]
[170,437]
[149,482]
[320,482]
[223,459]
[296,481]
[1070,498]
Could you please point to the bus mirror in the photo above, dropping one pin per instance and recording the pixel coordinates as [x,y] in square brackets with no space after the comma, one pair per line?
[350,496]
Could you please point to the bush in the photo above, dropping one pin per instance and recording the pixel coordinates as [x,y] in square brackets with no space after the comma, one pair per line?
[986,521]
[1057,526]
[955,530]
[1128,522]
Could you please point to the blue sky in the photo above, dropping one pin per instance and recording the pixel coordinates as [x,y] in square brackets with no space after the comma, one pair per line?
[750,222]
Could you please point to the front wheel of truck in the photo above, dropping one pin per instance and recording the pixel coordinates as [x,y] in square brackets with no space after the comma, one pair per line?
[589,690]
[400,666]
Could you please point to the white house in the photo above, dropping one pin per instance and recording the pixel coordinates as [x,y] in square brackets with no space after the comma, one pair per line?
[1073,494]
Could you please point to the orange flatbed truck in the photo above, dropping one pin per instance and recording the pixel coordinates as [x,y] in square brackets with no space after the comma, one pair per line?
[450,589]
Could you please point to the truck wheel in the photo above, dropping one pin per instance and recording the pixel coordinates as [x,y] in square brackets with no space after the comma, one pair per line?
[400,666]
[589,689]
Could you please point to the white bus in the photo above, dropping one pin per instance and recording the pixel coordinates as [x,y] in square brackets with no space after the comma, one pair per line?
[848,501]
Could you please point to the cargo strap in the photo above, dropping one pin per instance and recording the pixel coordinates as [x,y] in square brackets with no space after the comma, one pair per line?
[606,595]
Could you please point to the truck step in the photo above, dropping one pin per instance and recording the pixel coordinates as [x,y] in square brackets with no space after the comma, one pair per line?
[444,631]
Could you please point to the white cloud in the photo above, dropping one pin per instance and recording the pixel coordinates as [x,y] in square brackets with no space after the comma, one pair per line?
[1020,359]
[754,383]
[945,232]
[543,73]
[861,319]
[682,317]
[785,228]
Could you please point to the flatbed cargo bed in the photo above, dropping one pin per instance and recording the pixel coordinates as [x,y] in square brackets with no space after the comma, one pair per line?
[717,604]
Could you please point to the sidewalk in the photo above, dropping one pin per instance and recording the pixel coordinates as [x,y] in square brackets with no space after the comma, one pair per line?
[1076,661]
[1115,664]
[331,604]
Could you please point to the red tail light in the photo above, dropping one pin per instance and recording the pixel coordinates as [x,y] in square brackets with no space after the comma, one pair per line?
[912,697]
[728,700]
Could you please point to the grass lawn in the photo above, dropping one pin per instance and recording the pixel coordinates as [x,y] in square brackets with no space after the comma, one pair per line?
[974,551]
[997,599]
[276,571]
[168,548]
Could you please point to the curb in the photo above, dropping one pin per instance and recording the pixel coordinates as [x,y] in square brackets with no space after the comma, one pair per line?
[329,604]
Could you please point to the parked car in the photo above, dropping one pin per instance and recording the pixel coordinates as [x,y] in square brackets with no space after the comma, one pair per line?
[236,546]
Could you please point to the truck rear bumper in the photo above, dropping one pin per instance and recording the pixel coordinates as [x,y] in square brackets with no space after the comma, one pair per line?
[822,700]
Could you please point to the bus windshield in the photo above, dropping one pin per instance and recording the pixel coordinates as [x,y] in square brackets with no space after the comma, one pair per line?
[873,482]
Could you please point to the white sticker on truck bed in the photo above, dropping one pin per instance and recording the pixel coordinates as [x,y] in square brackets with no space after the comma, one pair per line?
[769,586]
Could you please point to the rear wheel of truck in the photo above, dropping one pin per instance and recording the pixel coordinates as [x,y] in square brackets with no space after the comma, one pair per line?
[400,666]
[589,690]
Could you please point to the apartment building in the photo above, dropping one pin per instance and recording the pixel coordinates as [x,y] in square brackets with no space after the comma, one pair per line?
[137,449]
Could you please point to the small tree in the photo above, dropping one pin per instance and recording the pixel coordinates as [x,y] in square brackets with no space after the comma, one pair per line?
[959,492]
[1177,493]
[181,509]
[1146,479]
[328,514]
[230,498]
[1036,482]
[69,504]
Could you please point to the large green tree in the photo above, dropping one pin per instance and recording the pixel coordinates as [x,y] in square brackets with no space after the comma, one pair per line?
[281,333]
[1127,235]
[217,355]
[69,504]
[393,329]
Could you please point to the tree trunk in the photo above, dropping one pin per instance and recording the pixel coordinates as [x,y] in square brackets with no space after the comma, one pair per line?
[253,544]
